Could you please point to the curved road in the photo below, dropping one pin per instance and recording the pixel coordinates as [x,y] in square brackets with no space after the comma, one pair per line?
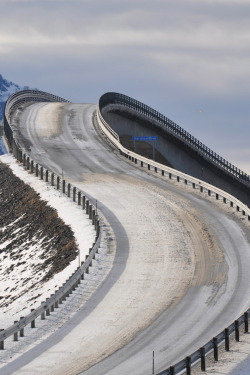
[181,265]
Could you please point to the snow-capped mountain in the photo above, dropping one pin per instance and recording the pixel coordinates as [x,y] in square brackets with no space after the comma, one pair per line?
[7,88]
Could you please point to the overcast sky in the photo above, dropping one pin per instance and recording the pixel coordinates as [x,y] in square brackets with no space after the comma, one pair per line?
[188,59]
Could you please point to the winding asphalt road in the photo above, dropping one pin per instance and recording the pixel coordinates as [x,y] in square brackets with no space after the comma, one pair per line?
[181,266]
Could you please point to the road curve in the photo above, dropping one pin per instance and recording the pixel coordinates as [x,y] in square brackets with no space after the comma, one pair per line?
[181,265]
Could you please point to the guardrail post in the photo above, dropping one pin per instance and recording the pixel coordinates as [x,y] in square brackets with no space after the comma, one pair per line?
[97,224]
[185,181]
[90,211]
[22,329]
[15,333]
[41,172]
[141,163]
[237,208]
[178,178]
[93,217]
[52,179]
[149,167]
[36,170]
[87,206]
[203,359]
[33,322]
[243,213]
[69,186]
[63,184]
[28,163]
[58,182]
[47,175]
[32,166]
[43,316]
[170,175]
[83,202]
[79,198]
[246,322]
[52,306]
[224,200]
[24,160]
[248,217]
[156,169]
[2,342]
[217,196]
[227,342]
[215,346]
[17,153]
[209,192]
[188,365]
[201,189]
[56,304]
[47,310]
[231,204]
[171,370]
[237,330]
[74,194]
[193,185]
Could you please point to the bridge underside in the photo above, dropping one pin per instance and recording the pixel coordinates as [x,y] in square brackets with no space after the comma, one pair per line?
[171,151]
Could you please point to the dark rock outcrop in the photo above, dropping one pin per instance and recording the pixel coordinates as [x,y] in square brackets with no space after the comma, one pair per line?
[26,221]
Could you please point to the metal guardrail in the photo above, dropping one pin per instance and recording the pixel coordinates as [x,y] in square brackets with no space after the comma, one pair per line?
[126,102]
[212,345]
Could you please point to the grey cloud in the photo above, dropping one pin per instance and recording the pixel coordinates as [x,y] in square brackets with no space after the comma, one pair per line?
[188,59]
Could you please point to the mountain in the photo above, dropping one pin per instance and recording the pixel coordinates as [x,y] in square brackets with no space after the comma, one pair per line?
[7,88]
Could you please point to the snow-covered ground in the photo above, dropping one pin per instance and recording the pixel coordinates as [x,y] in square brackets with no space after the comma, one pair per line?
[73,216]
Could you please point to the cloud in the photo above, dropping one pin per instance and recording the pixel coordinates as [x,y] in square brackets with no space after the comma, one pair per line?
[177,56]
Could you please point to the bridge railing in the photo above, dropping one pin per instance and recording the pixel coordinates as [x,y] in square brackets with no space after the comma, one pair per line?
[150,113]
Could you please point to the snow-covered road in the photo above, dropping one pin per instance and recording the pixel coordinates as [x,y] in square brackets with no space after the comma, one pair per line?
[181,265]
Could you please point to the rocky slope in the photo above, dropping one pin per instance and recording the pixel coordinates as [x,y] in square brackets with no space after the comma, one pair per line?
[35,243]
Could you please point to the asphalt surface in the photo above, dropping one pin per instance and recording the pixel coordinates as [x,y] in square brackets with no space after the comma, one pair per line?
[181,269]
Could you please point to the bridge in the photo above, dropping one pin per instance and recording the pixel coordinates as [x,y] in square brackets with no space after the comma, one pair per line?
[179,222]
